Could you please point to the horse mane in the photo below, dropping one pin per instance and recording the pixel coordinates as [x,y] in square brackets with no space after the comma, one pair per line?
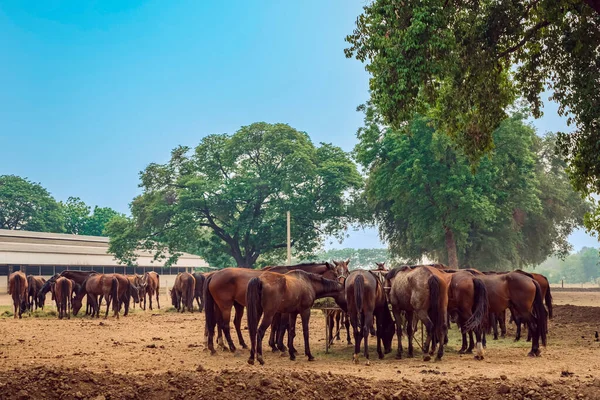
[328,284]
[394,271]
[449,271]
[472,271]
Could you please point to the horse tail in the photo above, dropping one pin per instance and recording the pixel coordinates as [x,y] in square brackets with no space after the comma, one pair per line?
[480,309]
[254,305]
[191,287]
[64,291]
[114,292]
[436,315]
[539,313]
[200,280]
[209,307]
[548,299]
[359,291]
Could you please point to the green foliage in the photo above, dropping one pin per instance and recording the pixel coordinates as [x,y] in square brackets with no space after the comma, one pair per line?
[79,221]
[515,210]
[580,267]
[464,63]
[230,195]
[26,205]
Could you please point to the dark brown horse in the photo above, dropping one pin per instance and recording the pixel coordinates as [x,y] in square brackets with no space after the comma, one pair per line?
[292,293]
[63,290]
[34,284]
[226,288]
[17,288]
[468,306]
[366,299]
[111,286]
[199,289]
[522,295]
[423,292]
[151,282]
[136,288]
[183,289]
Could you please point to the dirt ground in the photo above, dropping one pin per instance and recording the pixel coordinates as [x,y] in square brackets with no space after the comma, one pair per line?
[160,354]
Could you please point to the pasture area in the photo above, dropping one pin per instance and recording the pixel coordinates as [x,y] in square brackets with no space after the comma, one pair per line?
[160,354]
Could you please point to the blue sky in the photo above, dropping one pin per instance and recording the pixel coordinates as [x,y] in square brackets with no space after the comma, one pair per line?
[94,91]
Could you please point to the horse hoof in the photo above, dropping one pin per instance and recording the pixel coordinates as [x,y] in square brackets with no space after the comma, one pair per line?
[349,343]
[398,356]
[438,358]
[292,358]
[311,358]
[213,352]
[469,352]
[244,346]
[284,354]
[427,358]
[381,356]
[250,361]
[274,350]
[367,363]
[462,351]
[261,361]
[355,358]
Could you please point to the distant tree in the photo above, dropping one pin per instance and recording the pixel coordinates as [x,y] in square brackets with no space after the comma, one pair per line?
[25,205]
[97,221]
[76,214]
[428,201]
[359,258]
[238,188]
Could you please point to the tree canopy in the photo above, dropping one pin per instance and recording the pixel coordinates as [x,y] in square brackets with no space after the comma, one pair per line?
[515,210]
[464,63]
[81,220]
[25,205]
[231,194]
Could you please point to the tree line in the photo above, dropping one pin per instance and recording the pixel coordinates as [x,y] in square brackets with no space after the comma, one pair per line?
[28,206]
[580,267]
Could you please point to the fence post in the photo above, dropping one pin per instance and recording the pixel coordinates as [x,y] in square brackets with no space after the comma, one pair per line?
[562,283]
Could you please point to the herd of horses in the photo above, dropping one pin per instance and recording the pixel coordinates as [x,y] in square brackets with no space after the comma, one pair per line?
[380,303]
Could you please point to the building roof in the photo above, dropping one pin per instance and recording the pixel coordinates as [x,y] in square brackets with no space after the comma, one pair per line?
[41,248]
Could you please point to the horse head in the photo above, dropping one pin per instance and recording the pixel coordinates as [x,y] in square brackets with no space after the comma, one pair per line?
[341,269]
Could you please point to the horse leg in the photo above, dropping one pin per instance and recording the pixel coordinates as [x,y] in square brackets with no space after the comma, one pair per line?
[158,296]
[109,299]
[284,326]
[226,328]
[518,335]
[260,334]
[367,322]
[535,342]
[237,323]
[331,325]
[494,319]
[354,321]
[150,294]
[479,355]
[471,343]
[502,321]
[305,317]
[347,325]
[69,307]
[463,347]
[291,335]
[338,316]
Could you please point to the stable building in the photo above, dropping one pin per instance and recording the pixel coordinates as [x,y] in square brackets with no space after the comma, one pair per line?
[46,254]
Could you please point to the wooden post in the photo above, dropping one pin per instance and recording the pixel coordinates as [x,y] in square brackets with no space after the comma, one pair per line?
[562,283]
[289,240]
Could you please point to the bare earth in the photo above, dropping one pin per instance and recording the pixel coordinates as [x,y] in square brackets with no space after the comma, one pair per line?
[158,354]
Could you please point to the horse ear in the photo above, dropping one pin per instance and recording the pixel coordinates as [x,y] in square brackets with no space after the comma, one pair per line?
[335,263]
[347,261]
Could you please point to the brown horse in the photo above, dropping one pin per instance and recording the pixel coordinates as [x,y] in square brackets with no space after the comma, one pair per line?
[226,288]
[522,295]
[366,298]
[422,291]
[17,288]
[63,290]
[199,289]
[546,294]
[34,284]
[292,293]
[78,277]
[183,290]
[136,288]
[111,286]
[151,281]
[468,306]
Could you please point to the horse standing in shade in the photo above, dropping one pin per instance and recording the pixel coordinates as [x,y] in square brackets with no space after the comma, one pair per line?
[17,288]
[422,292]
[365,297]
[63,290]
[292,293]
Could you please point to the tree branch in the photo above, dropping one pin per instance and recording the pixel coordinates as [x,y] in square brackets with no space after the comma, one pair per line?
[528,35]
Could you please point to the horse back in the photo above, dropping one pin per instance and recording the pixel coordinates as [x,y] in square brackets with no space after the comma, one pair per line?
[230,284]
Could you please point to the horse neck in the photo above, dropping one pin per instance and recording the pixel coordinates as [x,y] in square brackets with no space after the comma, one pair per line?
[323,289]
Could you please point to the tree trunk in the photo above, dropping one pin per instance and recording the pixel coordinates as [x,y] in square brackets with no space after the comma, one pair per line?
[451,249]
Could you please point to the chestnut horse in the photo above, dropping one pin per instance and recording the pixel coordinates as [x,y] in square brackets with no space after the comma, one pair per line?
[422,291]
[546,294]
[136,288]
[226,288]
[76,276]
[17,288]
[292,293]
[183,290]
[111,286]
[468,306]
[366,298]
[63,290]
[151,282]
[34,284]
[522,295]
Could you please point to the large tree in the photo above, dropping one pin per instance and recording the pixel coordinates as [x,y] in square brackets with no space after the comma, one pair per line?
[231,194]
[80,220]
[26,205]
[428,201]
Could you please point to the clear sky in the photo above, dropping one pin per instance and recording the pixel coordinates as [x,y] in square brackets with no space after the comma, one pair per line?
[91,92]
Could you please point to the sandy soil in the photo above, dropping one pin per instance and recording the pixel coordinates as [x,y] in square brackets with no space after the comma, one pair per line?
[159,354]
